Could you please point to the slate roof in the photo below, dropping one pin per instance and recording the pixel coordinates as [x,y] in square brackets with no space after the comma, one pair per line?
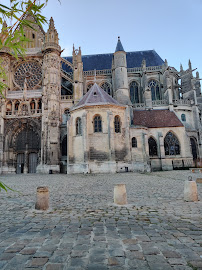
[96,96]
[119,46]
[156,119]
[104,61]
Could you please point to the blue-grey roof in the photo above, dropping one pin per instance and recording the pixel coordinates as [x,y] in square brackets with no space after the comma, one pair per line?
[104,61]
[119,47]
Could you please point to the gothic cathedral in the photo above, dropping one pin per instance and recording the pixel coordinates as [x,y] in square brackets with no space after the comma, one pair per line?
[117,112]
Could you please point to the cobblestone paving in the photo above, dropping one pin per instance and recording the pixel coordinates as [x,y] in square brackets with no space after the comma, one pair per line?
[85,230]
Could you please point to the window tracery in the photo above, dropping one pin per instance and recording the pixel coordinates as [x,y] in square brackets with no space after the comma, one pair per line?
[106,87]
[152,147]
[135,96]
[117,124]
[171,145]
[155,90]
[31,71]
[97,123]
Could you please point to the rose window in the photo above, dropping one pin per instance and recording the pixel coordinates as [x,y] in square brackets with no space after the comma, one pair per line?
[29,70]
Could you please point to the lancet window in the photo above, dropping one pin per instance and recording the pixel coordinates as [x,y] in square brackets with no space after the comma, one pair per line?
[135,95]
[134,142]
[78,126]
[17,103]
[155,90]
[183,117]
[152,147]
[97,123]
[171,145]
[117,124]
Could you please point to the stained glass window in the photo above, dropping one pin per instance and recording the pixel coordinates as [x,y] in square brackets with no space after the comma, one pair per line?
[155,90]
[134,93]
[97,123]
[31,71]
[171,145]
[152,147]
[117,124]
[134,142]
[106,87]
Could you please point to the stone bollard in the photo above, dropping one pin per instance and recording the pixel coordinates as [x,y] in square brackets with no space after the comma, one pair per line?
[190,191]
[42,201]
[120,195]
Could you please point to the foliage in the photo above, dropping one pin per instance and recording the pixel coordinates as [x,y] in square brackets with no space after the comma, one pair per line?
[5,187]
[12,36]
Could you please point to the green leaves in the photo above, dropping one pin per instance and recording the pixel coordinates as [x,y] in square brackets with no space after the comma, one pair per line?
[5,187]
[12,37]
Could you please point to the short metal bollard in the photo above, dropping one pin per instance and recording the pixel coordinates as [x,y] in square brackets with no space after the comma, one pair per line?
[42,200]
[190,191]
[120,195]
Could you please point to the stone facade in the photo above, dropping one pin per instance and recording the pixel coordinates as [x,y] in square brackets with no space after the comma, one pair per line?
[99,113]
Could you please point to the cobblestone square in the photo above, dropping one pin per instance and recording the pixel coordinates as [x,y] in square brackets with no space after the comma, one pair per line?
[83,229]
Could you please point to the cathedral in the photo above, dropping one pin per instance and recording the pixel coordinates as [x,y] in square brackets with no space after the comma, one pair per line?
[104,113]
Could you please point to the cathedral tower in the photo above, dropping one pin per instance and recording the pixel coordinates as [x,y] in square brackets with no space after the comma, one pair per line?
[78,74]
[119,66]
[50,102]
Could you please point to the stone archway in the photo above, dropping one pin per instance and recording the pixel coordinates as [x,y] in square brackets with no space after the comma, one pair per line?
[27,145]
[22,144]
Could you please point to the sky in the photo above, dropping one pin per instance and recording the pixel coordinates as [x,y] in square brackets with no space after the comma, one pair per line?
[173,28]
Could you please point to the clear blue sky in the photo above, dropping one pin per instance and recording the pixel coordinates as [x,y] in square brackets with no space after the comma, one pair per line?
[173,28]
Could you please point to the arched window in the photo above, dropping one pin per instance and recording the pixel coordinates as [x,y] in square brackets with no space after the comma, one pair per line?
[152,147]
[117,124]
[155,90]
[194,148]
[78,126]
[134,142]
[17,105]
[32,105]
[183,117]
[97,123]
[9,106]
[171,145]
[64,146]
[106,87]
[39,105]
[134,93]
[89,86]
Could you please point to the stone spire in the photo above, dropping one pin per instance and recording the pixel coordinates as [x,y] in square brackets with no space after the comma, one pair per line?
[190,67]
[181,68]
[52,34]
[197,75]
[166,63]
[119,46]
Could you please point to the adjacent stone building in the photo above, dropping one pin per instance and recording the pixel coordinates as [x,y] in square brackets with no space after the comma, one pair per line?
[123,111]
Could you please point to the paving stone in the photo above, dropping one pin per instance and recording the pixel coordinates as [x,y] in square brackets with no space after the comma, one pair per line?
[39,261]
[56,266]
[158,229]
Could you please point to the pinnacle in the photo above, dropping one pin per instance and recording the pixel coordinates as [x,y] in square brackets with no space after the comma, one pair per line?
[119,46]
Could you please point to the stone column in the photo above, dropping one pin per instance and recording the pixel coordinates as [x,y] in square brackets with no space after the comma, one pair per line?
[42,202]
[120,195]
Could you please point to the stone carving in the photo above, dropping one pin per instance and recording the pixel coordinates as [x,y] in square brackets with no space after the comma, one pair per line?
[29,71]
